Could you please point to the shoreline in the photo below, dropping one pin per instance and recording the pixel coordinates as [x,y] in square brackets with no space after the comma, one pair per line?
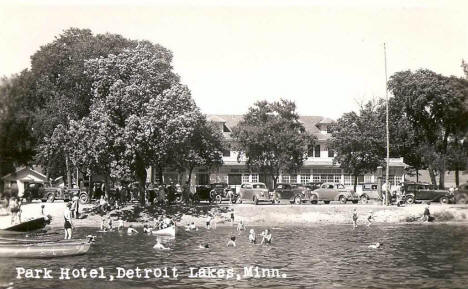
[252,215]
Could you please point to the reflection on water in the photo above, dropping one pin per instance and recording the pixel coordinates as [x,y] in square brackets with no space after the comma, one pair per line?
[412,256]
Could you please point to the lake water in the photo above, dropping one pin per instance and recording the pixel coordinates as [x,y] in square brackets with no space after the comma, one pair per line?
[332,256]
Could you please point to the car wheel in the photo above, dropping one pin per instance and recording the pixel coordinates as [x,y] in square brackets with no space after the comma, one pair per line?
[444,200]
[342,200]
[50,198]
[409,200]
[326,202]
[84,198]
[314,199]
[297,200]
[219,199]
[364,199]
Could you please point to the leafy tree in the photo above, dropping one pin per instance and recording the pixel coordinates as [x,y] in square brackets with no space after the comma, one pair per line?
[16,140]
[202,149]
[434,106]
[272,138]
[359,141]
[61,91]
[139,98]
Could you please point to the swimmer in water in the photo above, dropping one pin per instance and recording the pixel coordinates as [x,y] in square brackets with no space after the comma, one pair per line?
[355,218]
[146,229]
[370,218]
[159,246]
[193,227]
[204,246]
[131,231]
[232,242]
[376,245]
[266,240]
[252,236]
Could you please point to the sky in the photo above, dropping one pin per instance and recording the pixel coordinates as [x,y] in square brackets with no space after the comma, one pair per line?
[327,56]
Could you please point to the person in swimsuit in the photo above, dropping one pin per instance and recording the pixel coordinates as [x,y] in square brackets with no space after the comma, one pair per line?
[14,209]
[159,245]
[232,218]
[208,222]
[370,218]
[131,231]
[427,214]
[68,225]
[120,224]
[232,242]
[266,240]
[252,236]
[240,226]
[355,218]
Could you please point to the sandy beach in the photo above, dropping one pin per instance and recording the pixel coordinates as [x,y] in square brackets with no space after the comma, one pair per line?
[261,215]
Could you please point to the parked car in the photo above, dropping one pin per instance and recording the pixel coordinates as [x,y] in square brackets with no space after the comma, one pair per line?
[461,194]
[33,191]
[53,193]
[313,185]
[295,193]
[333,192]
[218,192]
[419,192]
[367,191]
[256,192]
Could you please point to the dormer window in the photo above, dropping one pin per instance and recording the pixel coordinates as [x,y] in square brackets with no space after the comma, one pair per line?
[225,128]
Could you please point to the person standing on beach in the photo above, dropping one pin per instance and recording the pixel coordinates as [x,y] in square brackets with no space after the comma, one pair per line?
[355,218]
[232,218]
[68,225]
[252,236]
[14,210]
[208,222]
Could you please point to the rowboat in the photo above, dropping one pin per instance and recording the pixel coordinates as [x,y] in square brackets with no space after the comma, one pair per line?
[44,249]
[25,227]
[169,231]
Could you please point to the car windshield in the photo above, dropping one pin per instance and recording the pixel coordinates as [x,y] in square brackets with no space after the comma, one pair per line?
[258,186]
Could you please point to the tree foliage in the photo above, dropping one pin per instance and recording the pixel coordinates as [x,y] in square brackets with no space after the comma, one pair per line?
[359,141]
[272,138]
[434,105]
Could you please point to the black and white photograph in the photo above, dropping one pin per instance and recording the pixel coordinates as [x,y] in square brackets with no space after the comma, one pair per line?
[233,144]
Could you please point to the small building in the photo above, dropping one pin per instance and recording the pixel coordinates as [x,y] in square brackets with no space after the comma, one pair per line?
[16,182]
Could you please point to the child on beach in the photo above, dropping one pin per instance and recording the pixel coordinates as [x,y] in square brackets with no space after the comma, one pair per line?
[266,240]
[240,226]
[355,218]
[252,236]
[232,218]
[370,218]
[120,224]
[232,242]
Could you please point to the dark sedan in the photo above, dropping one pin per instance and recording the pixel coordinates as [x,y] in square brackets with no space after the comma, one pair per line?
[295,193]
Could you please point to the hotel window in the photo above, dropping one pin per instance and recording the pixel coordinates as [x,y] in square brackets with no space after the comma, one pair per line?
[331,153]
[254,178]
[317,151]
[397,180]
[304,178]
[310,151]
[367,179]
[337,178]
[245,178]
[348,180]
[286,179]
[316,178]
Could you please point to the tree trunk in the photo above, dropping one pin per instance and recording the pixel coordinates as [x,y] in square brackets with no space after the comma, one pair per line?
[442,175]
[417,176]
[355,182]
[140,175]
[67,165]
[432,175]
[160,174]
[457,177]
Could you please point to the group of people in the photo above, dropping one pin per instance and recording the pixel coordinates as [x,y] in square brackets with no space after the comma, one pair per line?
[369,218]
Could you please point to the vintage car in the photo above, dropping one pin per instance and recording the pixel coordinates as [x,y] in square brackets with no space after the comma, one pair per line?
[51,194]
[313,185]
[33,191]
[333,192]
[367,191]
[295,193]
[216,192]
[461,194]
[419,192]
[255,192]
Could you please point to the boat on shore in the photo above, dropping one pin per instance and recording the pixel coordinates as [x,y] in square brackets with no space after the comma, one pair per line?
[169,231]
[26,227]
[41,249]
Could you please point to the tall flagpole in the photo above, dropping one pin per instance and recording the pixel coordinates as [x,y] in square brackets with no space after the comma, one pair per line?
[387,170]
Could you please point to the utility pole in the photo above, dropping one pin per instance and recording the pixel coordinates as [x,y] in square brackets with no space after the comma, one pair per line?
[387,189]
